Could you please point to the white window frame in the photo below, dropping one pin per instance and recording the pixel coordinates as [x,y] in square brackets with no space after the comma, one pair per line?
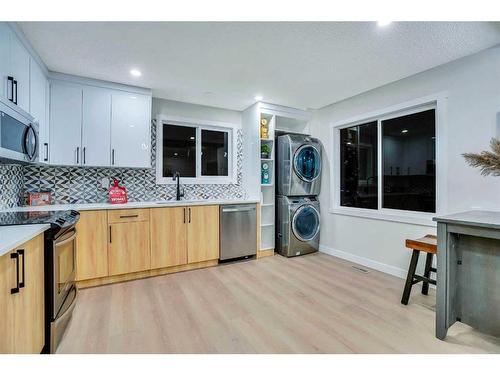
[437,102]
[230,129]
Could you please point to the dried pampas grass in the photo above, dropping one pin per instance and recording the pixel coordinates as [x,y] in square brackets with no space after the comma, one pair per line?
[487,161]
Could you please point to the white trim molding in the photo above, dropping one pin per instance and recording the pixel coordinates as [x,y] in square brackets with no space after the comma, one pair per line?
[438,102]
[231,129]
[370,263]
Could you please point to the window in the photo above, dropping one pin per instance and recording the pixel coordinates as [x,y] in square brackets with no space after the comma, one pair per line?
[179,151]
[389,163]
[200,153]
[214,153]
[359,183]
[409,162]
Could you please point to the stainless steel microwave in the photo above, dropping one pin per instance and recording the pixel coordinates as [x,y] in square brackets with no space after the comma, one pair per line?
[18,136]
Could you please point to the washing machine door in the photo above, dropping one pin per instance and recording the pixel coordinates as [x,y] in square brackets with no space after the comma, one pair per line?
[307,163]
[305,223]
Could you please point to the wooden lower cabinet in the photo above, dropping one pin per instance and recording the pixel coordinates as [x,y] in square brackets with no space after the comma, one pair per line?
[168,237]
[203,233]
[113,243]
[92,245]
[7,281]
[129,247]
[22,313]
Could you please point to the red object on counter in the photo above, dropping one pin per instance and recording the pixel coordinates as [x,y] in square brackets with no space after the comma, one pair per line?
[41,198]
[117,193]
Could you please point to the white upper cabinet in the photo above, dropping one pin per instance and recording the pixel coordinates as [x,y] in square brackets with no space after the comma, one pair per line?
[99,126]
[38,108]
[131,130]
[96,127]
[20,71]
[4,57]
[65,124]
[14,68]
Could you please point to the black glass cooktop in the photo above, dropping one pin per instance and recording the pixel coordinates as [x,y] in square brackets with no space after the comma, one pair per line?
[55,218]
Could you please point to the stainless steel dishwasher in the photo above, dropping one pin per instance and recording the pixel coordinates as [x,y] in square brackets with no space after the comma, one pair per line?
[238,231]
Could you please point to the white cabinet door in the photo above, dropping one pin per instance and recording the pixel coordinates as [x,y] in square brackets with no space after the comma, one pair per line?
[4,58]
[131,130]
[65,124]
[96,127]
[20,70]
[38,108]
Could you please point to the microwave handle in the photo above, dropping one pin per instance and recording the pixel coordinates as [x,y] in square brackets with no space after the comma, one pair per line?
[15,84]
[31,153]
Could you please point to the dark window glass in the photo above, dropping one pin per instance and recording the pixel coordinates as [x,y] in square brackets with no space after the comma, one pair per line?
[214,153]
[409,162]
[358,163]
[179,150]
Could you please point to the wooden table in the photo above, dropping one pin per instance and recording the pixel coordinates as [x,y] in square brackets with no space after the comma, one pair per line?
[468,271]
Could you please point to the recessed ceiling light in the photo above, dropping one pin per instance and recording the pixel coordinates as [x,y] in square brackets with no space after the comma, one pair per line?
[258,98]
[135,72]
[404,131]
[192,138]
[383,23]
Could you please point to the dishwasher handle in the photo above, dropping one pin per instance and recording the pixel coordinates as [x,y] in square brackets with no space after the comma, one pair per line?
[238,209]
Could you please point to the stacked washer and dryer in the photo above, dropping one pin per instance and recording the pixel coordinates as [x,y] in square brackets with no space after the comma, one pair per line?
[298,170]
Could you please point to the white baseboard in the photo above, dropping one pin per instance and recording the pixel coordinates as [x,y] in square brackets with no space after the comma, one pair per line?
[382,267]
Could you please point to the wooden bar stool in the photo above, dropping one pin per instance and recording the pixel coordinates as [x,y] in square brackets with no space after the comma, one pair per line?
[427,244]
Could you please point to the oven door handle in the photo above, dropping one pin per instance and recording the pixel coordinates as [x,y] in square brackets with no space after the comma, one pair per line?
[65,241]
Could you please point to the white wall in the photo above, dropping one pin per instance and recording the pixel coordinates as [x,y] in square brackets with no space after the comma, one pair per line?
[195,111]
[473,106]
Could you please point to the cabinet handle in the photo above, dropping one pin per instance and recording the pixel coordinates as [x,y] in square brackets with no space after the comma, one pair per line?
[16,257]
[184,215]
[84,162]
[78,155]
[11,81]
[22,253]
[127,216]
[15,84]
[189,214]
[110,234]
[46,158]
[113,157]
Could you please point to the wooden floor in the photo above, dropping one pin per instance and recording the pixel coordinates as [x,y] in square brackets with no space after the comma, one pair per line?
[309,304]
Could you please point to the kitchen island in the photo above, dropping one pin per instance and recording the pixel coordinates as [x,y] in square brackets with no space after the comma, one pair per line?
[468,272]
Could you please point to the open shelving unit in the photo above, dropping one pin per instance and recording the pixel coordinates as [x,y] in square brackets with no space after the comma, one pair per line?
[267,190]
[279,119]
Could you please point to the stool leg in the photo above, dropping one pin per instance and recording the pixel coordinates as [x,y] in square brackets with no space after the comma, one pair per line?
[409,277]
[427,272]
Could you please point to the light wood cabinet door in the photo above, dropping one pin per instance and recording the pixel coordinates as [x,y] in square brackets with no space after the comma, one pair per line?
[129,247]
[7,282]
[29,306]
[203,233]
[168,237]
[92,245]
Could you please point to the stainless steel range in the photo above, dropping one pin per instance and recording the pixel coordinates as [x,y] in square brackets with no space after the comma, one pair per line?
[60,272]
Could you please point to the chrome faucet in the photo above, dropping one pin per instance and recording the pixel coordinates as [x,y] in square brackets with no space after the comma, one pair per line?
[179,195]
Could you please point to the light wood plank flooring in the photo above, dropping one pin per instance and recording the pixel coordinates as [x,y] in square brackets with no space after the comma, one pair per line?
[310,304]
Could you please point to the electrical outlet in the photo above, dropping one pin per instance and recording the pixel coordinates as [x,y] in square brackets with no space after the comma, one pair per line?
[105,183]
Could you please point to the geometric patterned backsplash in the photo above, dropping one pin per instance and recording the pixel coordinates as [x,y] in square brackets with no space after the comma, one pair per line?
[11,185]
[83,185]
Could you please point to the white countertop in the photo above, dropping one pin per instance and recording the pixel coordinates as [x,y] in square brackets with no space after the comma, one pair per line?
[14,235]
[109,206]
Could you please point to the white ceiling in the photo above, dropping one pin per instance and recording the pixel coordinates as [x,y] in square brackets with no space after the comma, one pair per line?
[303,65]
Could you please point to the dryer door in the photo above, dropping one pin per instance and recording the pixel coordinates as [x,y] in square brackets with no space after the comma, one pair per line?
[305,223]
[307,163]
